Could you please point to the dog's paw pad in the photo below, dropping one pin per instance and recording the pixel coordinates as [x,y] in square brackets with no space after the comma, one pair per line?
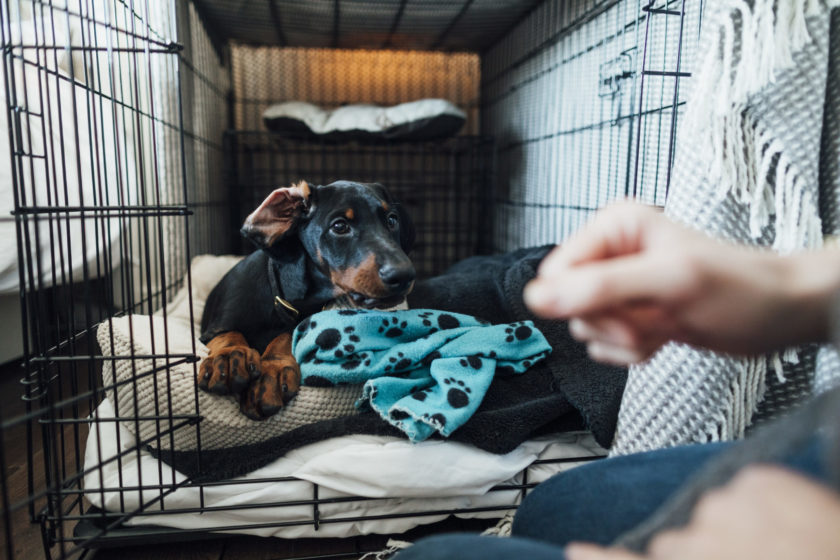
[229,370]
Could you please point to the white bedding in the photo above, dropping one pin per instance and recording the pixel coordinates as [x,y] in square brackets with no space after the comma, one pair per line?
[79,135]
[404,477]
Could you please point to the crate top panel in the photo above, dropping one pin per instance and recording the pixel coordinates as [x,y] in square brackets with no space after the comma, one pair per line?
[444,25]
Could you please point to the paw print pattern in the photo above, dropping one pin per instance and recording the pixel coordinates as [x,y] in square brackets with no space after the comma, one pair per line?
[446,321]
[458,394]
[398,415]
[304,327]
[517,331]
[351,331]
[426,318]
[317,381]
[352,364]
[420,395]
[426,362]
[438,419]
[398,363]
[473,361]
[328,339]
[393,328]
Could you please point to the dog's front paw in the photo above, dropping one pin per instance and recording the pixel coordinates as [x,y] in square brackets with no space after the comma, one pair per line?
[229,370]
[278,384]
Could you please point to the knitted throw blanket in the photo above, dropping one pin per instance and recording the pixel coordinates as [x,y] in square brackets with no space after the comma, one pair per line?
[756,162]
[424,371]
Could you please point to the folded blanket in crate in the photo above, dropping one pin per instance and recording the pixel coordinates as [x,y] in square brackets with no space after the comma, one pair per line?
[490,287]
[566,391]
[423,371]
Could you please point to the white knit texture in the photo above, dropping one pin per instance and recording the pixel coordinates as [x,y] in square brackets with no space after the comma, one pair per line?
[145,387]
[747,169]
[172,390]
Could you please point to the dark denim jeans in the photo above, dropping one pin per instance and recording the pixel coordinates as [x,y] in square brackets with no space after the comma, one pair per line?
[595,502]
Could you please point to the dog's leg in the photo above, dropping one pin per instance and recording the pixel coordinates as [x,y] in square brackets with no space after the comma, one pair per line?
[231,365]
[278,383]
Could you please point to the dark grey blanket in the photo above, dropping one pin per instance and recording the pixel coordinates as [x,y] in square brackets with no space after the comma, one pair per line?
[564,392]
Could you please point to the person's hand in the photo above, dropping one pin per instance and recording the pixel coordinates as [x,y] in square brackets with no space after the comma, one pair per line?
[764,512]
[632,280]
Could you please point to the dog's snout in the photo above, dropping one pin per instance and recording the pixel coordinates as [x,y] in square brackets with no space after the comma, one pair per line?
[397,278]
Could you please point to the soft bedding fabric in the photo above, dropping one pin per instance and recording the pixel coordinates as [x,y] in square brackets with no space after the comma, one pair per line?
[429,476]
[423,371]
[88,245]
[424,119]
[549,397]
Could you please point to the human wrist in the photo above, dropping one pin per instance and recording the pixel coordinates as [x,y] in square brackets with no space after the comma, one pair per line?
[811,284]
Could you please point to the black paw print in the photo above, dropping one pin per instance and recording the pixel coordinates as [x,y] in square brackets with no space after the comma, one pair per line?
[353,337]
[458,395]
[420,394]
[394,327]
[445,321]
[425,316]
[317,381]
[400,362]
[351,364]
[328,339]
[398,415]
[472,361]
[517,331]
[430,358]
[304,327]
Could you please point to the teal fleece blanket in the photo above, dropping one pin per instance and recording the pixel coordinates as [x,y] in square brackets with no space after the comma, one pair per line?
[423,370]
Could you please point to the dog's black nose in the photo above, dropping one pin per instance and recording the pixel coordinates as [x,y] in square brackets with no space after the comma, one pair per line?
[397,278]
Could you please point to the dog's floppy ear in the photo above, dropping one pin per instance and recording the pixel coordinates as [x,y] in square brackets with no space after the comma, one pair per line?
[278,215]
[407,230]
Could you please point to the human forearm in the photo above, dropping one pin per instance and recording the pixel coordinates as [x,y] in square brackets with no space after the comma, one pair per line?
[632,280]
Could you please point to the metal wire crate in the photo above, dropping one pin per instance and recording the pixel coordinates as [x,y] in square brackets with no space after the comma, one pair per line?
[445,186]
[584,99]
[121,171]
[115,182]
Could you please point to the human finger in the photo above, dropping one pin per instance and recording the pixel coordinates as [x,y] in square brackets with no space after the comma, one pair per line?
[616,355]
[600,286]
[615,230]
[589,551]
[680,544]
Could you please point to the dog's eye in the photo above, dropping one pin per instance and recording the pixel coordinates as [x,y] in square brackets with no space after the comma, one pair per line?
[393,221]
[340,227]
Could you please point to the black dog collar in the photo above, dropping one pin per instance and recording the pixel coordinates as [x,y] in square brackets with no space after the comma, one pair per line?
[287,312]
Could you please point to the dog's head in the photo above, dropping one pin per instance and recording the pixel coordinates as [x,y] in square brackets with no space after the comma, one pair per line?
[354,233]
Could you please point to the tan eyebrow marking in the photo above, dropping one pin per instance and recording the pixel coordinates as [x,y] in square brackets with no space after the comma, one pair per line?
[349,214]
[385,206]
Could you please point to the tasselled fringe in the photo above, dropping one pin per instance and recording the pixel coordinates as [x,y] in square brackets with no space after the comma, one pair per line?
[743,152]
[747,391]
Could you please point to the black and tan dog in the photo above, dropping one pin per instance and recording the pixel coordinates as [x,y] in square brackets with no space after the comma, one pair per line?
[319,243]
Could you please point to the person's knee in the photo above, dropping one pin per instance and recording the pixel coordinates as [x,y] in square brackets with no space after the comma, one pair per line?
[441,547]
[545,512]
[600,500]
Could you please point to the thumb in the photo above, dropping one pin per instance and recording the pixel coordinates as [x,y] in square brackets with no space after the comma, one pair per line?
[589,551]
[600,286]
